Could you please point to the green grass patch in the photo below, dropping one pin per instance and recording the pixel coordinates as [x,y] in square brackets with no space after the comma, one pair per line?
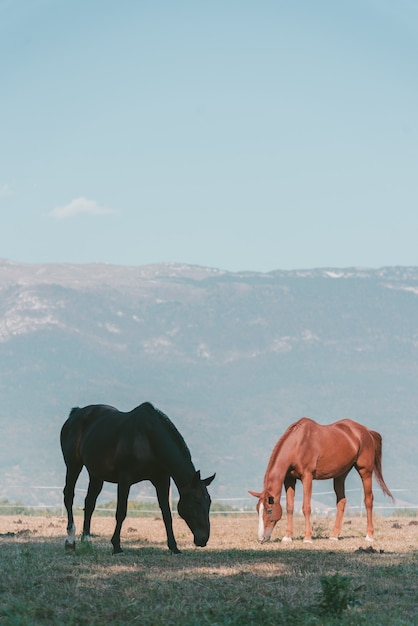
[233,581]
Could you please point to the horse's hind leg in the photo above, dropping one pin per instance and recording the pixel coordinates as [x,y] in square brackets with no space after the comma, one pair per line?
[339,488]
[121,509]
[94,488]
[366,477]
[70,480]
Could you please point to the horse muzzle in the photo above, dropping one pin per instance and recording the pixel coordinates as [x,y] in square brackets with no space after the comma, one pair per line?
[264,535]
[200,540]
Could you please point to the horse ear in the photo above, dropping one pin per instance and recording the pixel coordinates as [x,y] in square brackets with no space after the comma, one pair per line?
[256,494]
[196,479]
[208,480]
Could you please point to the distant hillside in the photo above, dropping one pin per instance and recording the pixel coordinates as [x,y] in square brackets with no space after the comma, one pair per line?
[232,358]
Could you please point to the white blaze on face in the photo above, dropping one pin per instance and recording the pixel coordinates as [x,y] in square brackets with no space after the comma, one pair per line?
[260,522]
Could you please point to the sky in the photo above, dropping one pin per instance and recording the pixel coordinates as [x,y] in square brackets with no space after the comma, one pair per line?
[233,134]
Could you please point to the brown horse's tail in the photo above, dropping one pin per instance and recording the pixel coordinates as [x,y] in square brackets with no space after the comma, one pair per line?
[378,463]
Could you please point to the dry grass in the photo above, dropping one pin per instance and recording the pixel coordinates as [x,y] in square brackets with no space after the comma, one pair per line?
[235,580]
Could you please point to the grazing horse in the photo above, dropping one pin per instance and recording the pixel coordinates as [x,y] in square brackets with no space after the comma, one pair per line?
[308,451]
[126,448]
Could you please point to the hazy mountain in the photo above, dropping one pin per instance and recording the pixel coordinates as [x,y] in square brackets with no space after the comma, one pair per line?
[232,358]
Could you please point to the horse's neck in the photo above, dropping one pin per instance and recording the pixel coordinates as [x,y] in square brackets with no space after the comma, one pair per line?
[277,469]
[273,483]
[176,460]
[181,470]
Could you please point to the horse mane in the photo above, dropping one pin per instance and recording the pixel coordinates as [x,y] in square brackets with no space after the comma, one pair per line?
[289,431]
[168,424]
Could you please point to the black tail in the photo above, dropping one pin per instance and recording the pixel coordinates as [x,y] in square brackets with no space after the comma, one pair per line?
[68,436]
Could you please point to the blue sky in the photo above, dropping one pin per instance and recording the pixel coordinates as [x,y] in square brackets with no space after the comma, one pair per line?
[240,135]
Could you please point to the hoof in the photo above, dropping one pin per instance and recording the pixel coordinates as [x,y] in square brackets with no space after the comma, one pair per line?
[69,546]
[287,539]
[333,538]
[307,541]
[369,539]
[119,552]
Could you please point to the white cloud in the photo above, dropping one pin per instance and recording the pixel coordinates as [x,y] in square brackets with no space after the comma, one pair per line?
[80,206]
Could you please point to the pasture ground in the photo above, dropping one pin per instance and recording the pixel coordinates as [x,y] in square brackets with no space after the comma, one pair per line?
[234,580]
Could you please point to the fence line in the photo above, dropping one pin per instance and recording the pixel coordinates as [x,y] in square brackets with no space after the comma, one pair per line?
[324,509]
[318,513]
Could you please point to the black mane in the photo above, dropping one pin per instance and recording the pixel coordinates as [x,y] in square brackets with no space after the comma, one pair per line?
[170,426]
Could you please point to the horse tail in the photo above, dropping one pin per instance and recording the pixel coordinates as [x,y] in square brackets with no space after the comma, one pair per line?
[70,433]
[378,463]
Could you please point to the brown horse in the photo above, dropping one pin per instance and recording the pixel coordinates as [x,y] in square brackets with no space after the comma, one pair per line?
[308,451]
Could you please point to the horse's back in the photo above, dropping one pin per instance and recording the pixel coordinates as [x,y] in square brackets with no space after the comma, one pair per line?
[100,431]
[81,421]
[307,427]
[347,427]
[80,418]
[365,437]
[327,449]
[347,433]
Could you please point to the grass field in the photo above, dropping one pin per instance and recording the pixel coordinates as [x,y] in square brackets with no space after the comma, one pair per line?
[234,580]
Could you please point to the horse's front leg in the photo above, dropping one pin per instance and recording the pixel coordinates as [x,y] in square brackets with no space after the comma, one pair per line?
[95,487]
[121,509]
[70,481]
[306,506]
[290,486]
[162,487]
[339,488]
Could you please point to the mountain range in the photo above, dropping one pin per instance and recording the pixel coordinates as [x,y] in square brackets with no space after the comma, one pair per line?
[231,358]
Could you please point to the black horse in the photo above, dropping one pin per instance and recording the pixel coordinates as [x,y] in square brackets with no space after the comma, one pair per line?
[126,448]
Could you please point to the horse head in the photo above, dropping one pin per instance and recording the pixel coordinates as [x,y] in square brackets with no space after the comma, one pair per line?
[193,507]
[269,513]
